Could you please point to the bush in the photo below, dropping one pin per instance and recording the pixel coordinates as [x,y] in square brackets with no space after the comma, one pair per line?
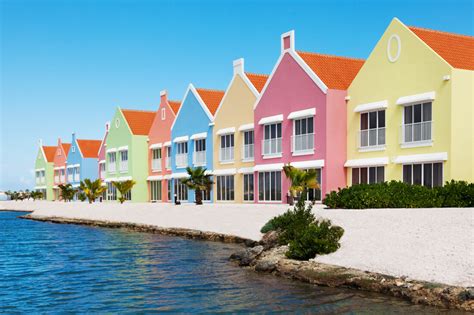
[396,194]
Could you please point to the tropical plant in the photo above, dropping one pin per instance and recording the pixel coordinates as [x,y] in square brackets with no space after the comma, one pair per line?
[199,181]
[124,187]
[91,189]
[67,192]
[36,195]
[301,180]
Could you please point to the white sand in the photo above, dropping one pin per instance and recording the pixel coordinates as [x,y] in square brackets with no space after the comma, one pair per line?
[424,244]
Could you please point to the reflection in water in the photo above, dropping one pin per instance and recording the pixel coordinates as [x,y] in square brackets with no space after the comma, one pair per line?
[52,267]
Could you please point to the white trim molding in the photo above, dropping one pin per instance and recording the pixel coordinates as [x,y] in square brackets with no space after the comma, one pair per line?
[155,146]
[420,158]
[40,169]
[198,136]
[246,170]
[371,106]
[246,127]
[111,150]
[225,131]
[40,187]
[179,175]
[271,119]
[302,113]
[167,177]
[308,164]
[154,177]
[118,179]
[225,171]
[181,139]
[101,161]
[123,148]
[366,162]
[167,144]
[411,99]
[268,167]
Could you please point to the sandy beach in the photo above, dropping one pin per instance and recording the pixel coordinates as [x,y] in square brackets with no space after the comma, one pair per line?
[434,245]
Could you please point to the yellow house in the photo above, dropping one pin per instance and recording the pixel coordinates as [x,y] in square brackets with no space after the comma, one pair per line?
[410,109]
[234,137]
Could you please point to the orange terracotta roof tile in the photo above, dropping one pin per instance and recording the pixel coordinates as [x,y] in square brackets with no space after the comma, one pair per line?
[139,121]
[258,80]
[336,72]
[89,148]
[50,152]
[175,105]
[457,50]
[212,98]
[66,147]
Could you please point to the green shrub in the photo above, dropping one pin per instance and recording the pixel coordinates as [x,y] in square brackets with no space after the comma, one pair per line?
[459,194]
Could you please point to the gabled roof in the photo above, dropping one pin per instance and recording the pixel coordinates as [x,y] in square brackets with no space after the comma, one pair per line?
[211,98]
[139,121]
[175,105]
[455,49]
[336,72]
[49,152]
[258,80]
[66,147]
[89,148]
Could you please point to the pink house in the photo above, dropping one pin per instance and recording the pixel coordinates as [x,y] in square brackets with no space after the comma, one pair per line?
[159,150]
[59,167]
[300,118]
[101,154]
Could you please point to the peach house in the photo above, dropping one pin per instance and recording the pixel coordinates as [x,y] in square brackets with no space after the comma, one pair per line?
[300,118]
[60,161]
[159,150]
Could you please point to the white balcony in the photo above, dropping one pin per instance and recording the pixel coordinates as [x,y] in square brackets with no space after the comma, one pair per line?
[181,160]
[156,164]
[38,180]
[42,179]
[302,143]
[168,163]
[123,166]
[371,138]
[248,152]
[226,154]
[56,178]
[271,146]
[111,168]
[199,158]
[69,178]
[415,133]
[102,174]
[62,178]
[77,177]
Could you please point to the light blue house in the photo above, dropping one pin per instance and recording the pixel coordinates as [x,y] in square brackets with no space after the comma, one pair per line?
[82,160]
[191,138]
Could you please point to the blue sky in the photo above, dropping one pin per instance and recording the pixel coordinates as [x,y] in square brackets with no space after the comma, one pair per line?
[66,65]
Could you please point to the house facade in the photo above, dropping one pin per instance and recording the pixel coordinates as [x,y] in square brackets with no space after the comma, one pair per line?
[159,150]
[101,169]
[233,137]
[59,169]
[411,109]
[299,118]
[191,138]
[126,152]
[44,165]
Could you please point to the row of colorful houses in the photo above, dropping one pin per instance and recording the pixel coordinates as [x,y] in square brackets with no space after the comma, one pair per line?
[406,113]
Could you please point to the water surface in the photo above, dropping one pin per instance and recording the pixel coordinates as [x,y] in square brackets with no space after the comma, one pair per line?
[46,267]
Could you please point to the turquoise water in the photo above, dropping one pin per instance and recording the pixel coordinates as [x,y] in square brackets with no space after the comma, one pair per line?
[47,267]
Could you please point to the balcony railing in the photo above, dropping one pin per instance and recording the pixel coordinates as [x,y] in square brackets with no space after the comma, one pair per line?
[63,178]
[123,166]
[248,152]
[102,174]
[371,138]
[77,177]
[417,132]
[302,143]
[111,168]
[42,179]
[56,178]
[226,154]
[69,178]
[199,158]
[181,160]
[168,163]
[156,164]
[271,146]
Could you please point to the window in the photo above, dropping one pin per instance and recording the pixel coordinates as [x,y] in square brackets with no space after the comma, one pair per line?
[70,174]
[112,158]
[226,153]
[303,135]
[102,170]
[73,149]
[372,129]
[169,190]
[272,139]
[180,190]
[62,173]
[123,160]
[248,187]
[59,152]
[56,176]
[111,192]
[426,174]
[77,174]
[168,157]
[314,194]
[206,195]
[155,190]
[181,154]
[225,188]
[199,156]
[368,175]
[128,195]
[417,123]
[38,177]
[269,186]
[156,159]
[163,113]
[43,177]
[248,150]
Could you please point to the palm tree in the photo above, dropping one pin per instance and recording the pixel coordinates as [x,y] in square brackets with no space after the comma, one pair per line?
[301,180]
[199,181]
[92,189]
[124,187]
[67,192]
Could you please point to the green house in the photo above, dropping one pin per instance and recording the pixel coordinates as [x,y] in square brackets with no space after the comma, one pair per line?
[44,170]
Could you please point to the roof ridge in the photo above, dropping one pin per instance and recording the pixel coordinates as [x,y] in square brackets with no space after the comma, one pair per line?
[331,56]
[138,110]
[257,74]
[440,32]
[210,90]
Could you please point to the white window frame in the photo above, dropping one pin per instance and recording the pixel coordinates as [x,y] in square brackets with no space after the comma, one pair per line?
[269,200]
[244,179]
[225,188]
[156,191]
[123,164]
[163,113]
[181,154]
[367,170]
[226,148]
[248,149]
[199,154]
[423,172]
[309,137]
[156,158]
[272,142]
[364,135]
[423,123]
[168,157]
[112,165]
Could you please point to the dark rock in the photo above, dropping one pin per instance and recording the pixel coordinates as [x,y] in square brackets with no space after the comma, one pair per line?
[270,239]
[247,256]
[265,266]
